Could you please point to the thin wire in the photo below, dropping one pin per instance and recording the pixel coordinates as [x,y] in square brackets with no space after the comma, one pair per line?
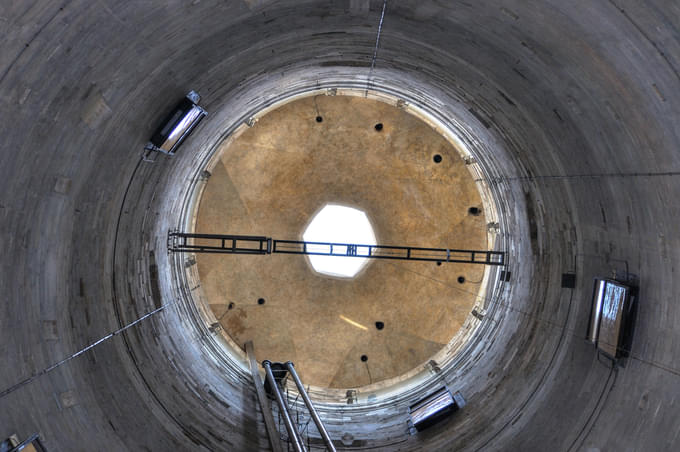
[375,50]
[219,319]
[595,414]
[33,38]
[78,353]
[316,106]
[573,332]
[542,379]
[532,316]
[640,30]
[547,321]
[496,301]
[582,176]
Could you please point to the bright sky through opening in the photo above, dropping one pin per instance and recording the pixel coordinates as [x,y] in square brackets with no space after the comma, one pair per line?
[339,224]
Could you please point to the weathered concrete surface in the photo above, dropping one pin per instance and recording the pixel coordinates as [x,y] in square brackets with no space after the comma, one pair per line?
[587,90]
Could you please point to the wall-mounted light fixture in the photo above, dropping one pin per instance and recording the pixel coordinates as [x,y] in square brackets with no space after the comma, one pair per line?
[434,408]
[176,126]
[610,317]
[32,444]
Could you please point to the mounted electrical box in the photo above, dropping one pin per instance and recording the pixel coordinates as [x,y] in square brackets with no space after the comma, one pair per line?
[176,126]
[610,317]
[434,408]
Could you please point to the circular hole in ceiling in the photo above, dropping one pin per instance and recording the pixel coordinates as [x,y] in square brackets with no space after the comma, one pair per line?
[364,358]
[378,127]
[437,158]
[461,279]
[319,119]
[475,211]
[260,301]
[379,325]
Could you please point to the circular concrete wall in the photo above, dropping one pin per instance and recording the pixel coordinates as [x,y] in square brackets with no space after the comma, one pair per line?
[573,106]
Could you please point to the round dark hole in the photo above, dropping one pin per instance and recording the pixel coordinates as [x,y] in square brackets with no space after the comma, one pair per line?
[439,263]
[379,325]
[461,279]
[260,301]
[378,127]
[319,119]
[474,211]
[364,358]
[231,306]
[437,158]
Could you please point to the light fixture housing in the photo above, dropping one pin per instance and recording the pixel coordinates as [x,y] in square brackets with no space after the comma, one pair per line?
[177,125]
[610,317]
[434,408]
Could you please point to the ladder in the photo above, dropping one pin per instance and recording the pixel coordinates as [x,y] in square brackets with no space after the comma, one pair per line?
[275,373]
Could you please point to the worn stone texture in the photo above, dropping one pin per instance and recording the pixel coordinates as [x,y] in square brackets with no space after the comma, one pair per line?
[579,101]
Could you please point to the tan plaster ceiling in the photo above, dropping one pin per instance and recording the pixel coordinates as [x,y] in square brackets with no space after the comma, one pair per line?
[271,181]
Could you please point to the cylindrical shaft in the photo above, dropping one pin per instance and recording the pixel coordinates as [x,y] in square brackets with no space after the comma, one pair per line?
[310,407]
[293,434]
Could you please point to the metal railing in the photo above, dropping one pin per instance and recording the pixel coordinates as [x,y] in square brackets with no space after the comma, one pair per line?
[244,244]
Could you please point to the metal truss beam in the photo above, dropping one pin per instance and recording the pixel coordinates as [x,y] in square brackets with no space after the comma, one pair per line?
[179,242]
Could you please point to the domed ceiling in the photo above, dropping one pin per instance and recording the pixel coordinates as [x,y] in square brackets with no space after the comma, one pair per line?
[414,188]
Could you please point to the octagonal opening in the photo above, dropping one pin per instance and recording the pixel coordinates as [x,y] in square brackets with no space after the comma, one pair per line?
[339,224]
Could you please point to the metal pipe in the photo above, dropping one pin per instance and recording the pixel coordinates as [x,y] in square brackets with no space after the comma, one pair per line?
[293,434]
[269,423]
[310,407]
